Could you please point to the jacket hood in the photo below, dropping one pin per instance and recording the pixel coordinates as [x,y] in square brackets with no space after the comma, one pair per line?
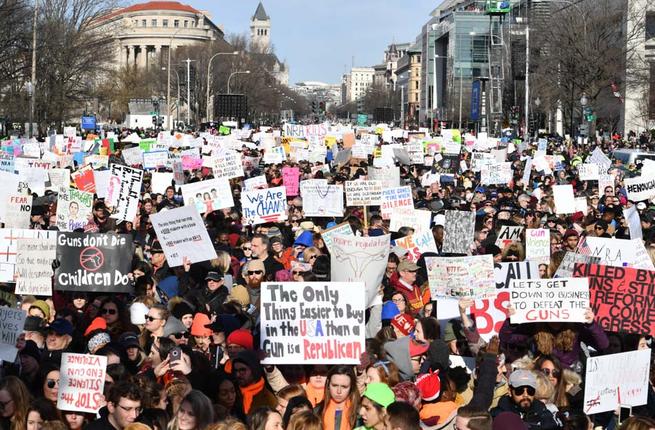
[398,352]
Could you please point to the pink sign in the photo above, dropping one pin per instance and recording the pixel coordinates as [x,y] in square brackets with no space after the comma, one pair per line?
[291,180]
[191,162]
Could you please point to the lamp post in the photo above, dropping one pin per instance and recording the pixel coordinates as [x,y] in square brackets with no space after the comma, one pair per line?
[168,82]
[244,72]
[584,101]
[31,90]
[537,103]
[177,102]
[209,66]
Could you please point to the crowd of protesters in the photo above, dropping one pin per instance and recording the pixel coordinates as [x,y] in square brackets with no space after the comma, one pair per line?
[183,350]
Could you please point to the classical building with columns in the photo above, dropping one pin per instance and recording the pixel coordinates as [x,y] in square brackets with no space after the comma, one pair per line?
[145,32]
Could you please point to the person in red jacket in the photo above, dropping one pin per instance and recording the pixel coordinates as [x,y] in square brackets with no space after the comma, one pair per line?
[404,281]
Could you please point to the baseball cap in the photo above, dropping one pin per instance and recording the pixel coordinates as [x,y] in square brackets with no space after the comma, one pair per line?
[407,266]
[61,327]
[523,378]
[213,276]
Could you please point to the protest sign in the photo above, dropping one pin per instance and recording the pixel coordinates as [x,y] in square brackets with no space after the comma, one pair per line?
[274,155]
[124,191]
[537,245]
[415,151]
[11,185]
[290,179]
[395,197]
[8,248]
[621,297]
[565,269]
[564,199]
[549,300]
[81,382]
[619,252]
[343,229]
[84,180]
[508,234]
[182,233]
[59,178]
[320,199]
[132,156]
[227,165]
[34,259]
[417,244]
[191,162]
[588,172]
[208,196]
[480,160]
[461,277]
[18,209]
[12,322]
[527,171]
[312,322]
[160,181]
[389,177]
[496,174]
[262,206]
[255,183]
[631,216]
[363,193]
[317,131]
[599,158]
[94,262]
[360,258]
[73,208]
[616,379]
[155,159]
[459,228]
[417,219]
[641,187]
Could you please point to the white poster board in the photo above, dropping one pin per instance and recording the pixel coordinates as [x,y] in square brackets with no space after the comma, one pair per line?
[34,259]
[549,300]
[81,382]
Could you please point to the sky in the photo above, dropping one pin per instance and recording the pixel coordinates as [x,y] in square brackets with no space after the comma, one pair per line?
[318,38]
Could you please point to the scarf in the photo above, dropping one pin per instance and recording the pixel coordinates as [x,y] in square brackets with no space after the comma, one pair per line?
[250,392]
[314,395]
[329,416]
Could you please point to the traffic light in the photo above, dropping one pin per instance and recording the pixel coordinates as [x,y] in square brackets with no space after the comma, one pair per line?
[154,120]
[321,107]
[314,107]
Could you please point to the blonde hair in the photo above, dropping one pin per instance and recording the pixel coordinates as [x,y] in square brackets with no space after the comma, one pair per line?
[310,252]
[305,420]
[221,262]
[290,391]
[545,390]
[137,426]
[228,424]
[524,362]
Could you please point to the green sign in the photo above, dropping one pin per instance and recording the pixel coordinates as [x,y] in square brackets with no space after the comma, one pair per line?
[497,6]
[362,119]
[224,130]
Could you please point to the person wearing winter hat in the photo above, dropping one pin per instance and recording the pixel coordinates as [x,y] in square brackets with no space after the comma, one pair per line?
[239,295]
[201,334]
[34,330]
[98,323]
[40,309]
[239,340]
[389,310]
[250,377]
[403,325]
[138,313]
[373,409]
[176,331]
[135,355]
[404,281]
[321,268]
[408,354]
[302,242]
[183,312]
[438,399]
[98,341]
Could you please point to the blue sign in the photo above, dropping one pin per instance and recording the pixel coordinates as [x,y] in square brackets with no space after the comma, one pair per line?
[475,101]
[88,123]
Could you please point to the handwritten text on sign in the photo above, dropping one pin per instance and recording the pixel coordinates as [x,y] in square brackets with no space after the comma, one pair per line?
[312,322]
[11,326]
[262,206]
[81,382]
[536,300]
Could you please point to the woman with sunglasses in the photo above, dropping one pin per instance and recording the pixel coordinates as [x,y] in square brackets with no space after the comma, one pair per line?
[113,311]
[14,402]
[552,368]
[50,383]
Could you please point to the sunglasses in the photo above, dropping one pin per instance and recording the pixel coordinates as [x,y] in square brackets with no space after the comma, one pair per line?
[520,390]
[599,228]
[254,272]
[108,312]
[151,319]
[297,272]
[179,336]
[51,383]
[246,248]
[4,404]
[554,373]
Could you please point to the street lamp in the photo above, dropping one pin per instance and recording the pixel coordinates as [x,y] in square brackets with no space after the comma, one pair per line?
[584,100]
[177,102]
[168,82]
[244,72]
[537,103]
[209,66]
[30,94]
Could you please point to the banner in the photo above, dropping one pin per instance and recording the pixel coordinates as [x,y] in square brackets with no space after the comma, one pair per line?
[312,322]
[124,191]
[182,233]
[459,229]
[290,179]
[94,262]
[208,196]
[549,300]
[610,382]
[18,210]
[319,199]
[621,297]
[509,234]
[73,209]
[363,193]
[360,258]
[316,131]
[227,165]
[417,244]
[619,252]
[395,197]
[537,245]
[641,187]
[343,229]
[11,327]
[461,277]
[262,206]
[84,180]
[34,259]
[81,382]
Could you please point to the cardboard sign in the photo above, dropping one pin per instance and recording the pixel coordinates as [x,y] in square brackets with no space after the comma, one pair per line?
[34,259]
[417,244]
[599,158]
[73,209]
[549,300]
[290,179]
[84,180]
[11,327]
[641,187]
[537,245]
[312,322]
[208,196]
[459,228]
[81,382]
[360,258]
[124,191]
[621,297]
[509,234]
[155,159]
[262,206]
[320,199]
[496,174]
[160,181]
[395,197]
[182,233]
[619,252]
[94,262]
[461,277]
[343,229]
[363,193]
[18,209]
[227,165]
[132,156]
[609,382]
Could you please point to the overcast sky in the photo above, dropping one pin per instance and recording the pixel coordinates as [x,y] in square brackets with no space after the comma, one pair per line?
[319,38]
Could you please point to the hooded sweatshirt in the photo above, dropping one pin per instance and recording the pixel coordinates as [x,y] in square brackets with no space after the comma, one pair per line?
[398,352]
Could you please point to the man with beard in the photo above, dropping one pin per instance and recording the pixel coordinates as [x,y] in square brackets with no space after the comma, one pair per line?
[254,274]
[520,401]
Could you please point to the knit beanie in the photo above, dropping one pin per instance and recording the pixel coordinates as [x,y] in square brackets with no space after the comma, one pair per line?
[181,309]
[98,323]
[241,337]
[380,393]
[198,326]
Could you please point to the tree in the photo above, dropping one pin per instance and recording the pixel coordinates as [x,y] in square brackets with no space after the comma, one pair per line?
[380,95]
